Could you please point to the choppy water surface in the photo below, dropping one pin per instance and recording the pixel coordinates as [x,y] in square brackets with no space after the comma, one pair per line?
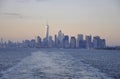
[64,64]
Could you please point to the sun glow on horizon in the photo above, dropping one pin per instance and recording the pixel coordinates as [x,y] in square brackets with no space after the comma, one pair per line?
[26,19]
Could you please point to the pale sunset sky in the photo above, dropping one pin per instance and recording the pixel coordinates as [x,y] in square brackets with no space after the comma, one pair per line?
[26,19]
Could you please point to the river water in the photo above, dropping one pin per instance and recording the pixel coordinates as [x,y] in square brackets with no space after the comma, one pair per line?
[59,64]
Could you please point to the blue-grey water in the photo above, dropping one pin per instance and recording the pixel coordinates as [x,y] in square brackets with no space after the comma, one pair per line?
[59,64]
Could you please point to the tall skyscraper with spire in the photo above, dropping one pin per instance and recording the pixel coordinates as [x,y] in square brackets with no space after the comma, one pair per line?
[47,32]
[47,35]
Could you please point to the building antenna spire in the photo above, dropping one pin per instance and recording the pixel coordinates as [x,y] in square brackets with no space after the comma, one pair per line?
[47,34]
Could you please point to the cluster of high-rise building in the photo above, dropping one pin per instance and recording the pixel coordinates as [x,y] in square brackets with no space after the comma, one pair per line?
[60,41]
[64,41]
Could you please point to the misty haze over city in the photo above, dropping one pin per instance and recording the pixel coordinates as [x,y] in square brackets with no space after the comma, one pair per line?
[26,19]
[59,39]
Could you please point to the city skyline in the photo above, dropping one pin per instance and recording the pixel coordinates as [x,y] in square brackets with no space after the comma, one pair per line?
[60,40]
[25,19]
[47,35]
[59,36]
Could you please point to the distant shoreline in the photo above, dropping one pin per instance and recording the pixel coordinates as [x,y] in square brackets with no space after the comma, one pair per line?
[108,48]
[34,49]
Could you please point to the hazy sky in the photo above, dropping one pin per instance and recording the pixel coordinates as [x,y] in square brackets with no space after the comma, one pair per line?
[25,19]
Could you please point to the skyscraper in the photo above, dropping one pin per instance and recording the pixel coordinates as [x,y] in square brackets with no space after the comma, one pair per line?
[38,41]
[55,41]
[79,40]
[66,41]
[47,33]
[88,41]
[60,39]
[103,43]
[50,42]
[98,42]
[47,37]
[73,42]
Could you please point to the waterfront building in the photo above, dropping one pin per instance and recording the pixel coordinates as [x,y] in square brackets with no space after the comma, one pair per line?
[73,42]
[60,39]
[50,42]
[103,43]
[66,41]
[79,39]
[88,40]
[38,41]
[55,41]
[32,43]
[82,44]
[98,42]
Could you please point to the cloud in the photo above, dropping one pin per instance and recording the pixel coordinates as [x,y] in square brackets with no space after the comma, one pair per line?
[21,16]
[13,14]
[18,15]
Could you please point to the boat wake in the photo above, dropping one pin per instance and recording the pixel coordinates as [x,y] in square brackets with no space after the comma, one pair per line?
[52,65]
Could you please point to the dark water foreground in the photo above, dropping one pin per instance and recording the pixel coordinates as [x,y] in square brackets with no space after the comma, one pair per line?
[9,57]
[59,64]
